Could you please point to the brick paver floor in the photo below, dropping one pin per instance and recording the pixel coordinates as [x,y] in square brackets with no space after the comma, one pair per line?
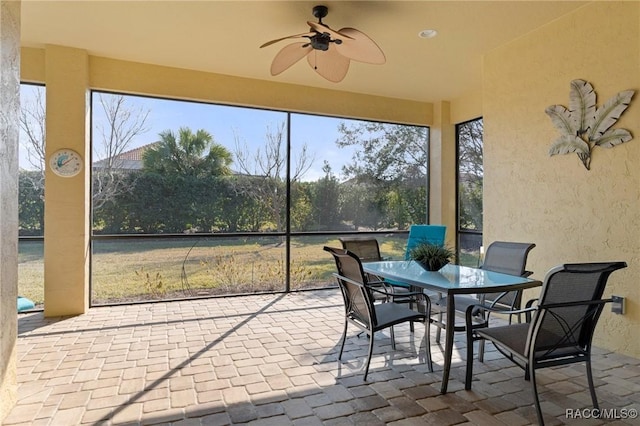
[272,360]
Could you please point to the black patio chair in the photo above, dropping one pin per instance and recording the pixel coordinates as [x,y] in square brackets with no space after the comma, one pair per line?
[368,250]
[367,316]
[560,328]
[501,256]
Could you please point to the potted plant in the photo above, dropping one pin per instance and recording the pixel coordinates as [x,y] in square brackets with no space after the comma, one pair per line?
[432,257]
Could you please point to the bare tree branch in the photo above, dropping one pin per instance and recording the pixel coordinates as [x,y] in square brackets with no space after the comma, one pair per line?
[122,123]
[32,123]
[269,163]
[470,150]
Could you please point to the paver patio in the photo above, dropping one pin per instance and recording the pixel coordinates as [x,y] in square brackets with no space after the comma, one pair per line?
[272,360]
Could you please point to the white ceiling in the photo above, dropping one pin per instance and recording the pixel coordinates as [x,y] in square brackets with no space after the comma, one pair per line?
[224,37]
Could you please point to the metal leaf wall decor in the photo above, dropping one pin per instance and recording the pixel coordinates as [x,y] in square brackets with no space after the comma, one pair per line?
[584,125]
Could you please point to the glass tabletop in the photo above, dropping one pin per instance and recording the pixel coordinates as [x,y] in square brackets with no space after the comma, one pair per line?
[450,279]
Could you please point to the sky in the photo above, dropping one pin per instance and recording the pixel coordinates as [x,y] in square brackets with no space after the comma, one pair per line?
[225,124]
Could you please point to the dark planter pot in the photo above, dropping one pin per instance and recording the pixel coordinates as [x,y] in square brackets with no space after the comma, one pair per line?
[432,265]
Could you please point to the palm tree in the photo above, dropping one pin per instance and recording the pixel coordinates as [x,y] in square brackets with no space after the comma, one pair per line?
[188,154]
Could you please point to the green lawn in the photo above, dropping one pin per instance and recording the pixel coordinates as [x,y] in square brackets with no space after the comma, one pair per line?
[31,270]
[134,270]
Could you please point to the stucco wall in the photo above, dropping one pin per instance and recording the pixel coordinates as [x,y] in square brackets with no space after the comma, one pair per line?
[572,214]
[466,108]
[9,113]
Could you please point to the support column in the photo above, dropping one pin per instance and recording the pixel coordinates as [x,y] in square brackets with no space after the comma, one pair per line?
[9,131]
[67,199]
[442,176]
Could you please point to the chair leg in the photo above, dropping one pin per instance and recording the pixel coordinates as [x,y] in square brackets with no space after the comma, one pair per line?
[536,398]
[469,370]
[592,388]
[427,343]
[366,369]
[481,350]
[344,338]
[438,328]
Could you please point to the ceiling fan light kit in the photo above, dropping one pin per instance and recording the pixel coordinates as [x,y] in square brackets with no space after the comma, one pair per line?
[328,52]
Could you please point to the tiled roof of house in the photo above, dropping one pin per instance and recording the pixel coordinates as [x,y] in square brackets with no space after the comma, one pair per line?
[136,153]
[128,160]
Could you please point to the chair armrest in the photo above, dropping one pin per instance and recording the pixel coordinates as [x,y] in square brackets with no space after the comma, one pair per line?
[377,290]
[387,289]
[497,299]
[390,288]
[409,297]
[391,294]
[469,313]
[578,303]
[480,307]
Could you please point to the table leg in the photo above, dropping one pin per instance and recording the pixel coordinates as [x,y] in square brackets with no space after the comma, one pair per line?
[448,343]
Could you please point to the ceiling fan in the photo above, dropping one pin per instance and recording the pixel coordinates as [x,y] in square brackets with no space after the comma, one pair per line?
[328,52]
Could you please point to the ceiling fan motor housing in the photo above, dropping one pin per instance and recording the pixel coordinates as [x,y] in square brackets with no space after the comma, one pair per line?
[320,41]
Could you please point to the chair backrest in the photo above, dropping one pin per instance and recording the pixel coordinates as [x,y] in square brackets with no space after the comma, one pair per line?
[433,234]
[366,248]
[507,258]
[358,301]
[569,306]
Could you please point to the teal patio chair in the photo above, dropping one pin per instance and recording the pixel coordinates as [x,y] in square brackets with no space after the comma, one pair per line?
[432,234]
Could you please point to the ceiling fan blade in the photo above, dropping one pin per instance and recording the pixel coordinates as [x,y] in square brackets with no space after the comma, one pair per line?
[322,28]
[360,47]
[329,64]
[288,56]
[269,43]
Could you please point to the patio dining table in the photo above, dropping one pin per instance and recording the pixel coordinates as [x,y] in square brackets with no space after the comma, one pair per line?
[451,280]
